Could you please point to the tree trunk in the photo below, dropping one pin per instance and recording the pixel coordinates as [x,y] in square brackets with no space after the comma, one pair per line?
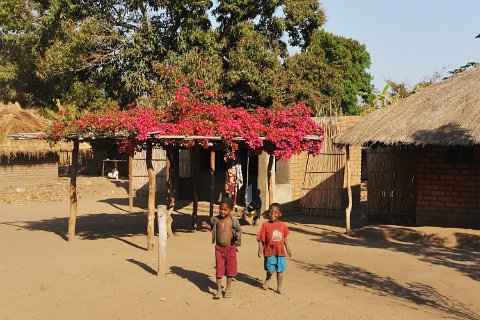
[151,198]
[130,184]
[195,187]
[168,180]
[246,185]
[73,192]
[349,190]
[212,181]
[174,176]
[271,160]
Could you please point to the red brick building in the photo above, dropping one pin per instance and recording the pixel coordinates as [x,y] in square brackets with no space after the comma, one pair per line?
[424,156]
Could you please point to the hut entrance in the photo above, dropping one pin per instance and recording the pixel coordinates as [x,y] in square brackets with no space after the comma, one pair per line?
[391,185]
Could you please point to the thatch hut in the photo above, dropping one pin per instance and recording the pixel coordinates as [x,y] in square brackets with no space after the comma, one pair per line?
[29,159]
[424,157]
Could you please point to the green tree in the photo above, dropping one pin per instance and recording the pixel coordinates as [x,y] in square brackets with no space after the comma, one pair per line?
[93,52]
[331,71]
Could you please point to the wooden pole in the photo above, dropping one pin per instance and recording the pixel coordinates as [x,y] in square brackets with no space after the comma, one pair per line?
[212,181]
[73,192]
[151,198]
[174,176]
[168,189]
[349,189]
[195,187]
[271,159]
[162,240]
[130,184]
[246,179]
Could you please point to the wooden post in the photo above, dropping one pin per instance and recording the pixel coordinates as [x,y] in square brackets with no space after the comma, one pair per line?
[349,189]
[168,189]
[174,167]
[271,160]
[246,179]
[212,181]
[130,184]
[195,187]
[162,240]
[73,192]
[151,198]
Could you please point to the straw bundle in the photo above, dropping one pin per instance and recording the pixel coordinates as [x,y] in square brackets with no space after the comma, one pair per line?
[14,120]
[443,114]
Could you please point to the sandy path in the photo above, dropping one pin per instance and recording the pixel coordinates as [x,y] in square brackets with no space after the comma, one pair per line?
[106,273]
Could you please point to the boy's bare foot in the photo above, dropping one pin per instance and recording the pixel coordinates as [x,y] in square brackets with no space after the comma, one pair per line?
[265,284]
[227,294]
[216,296]
[280,291]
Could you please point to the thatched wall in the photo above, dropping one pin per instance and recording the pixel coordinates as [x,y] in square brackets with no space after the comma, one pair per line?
[140,174]
[391,185]
[323,182]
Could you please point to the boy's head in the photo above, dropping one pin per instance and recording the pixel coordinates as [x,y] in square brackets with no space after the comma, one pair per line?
[226,206]
[274,212]
[257,192]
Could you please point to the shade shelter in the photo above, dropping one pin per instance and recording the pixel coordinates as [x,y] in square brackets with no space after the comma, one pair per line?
[424,155]
[77,140]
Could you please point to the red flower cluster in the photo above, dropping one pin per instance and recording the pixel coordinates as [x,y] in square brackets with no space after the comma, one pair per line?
[281,132]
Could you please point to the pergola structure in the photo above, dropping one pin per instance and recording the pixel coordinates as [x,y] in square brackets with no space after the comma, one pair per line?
[171,178]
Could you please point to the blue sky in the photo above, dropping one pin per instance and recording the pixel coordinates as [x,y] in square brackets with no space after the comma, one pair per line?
[409,40]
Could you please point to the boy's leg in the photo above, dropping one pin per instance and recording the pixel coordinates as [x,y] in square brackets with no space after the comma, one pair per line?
[279,282]
[281,267]
[267,280]
[228,289]
[219,289]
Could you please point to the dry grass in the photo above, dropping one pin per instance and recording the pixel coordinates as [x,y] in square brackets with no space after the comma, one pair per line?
[14,120]
[445,114]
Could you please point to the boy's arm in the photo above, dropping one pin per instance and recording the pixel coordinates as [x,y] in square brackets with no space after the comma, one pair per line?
[206,225]
[287,247]
[260,248]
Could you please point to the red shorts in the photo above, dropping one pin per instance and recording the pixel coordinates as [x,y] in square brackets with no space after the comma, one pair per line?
[226,261]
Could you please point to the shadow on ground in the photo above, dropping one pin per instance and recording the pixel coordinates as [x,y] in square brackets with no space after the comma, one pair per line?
[416,293]
[463,258]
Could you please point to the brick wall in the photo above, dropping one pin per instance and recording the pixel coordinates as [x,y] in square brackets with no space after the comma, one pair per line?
[448,193]
[22,170]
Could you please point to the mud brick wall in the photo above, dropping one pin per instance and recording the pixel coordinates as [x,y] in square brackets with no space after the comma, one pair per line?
[448,192]
[21,170]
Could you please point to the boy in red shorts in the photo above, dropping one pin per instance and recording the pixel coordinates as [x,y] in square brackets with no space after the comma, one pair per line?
[226,234]
[272,238]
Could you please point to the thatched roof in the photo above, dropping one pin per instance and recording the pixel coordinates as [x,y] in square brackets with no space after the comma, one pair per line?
[444,114]
[14,120]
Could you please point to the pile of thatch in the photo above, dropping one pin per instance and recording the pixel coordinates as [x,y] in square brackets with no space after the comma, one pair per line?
[444,114]
[14,120]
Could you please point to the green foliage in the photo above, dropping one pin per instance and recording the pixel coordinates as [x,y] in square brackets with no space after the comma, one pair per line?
[90,53]
[331,74]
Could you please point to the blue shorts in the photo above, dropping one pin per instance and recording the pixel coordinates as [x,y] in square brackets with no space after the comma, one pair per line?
[275,263]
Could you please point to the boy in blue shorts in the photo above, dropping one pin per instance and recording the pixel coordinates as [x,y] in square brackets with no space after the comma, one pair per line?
[272,243]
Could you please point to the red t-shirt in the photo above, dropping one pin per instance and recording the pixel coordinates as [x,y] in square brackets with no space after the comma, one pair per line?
[273,237]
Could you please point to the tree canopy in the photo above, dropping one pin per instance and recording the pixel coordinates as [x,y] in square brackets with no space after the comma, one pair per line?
[92,53]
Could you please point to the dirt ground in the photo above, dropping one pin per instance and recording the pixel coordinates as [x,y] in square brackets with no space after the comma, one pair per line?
[376,272]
